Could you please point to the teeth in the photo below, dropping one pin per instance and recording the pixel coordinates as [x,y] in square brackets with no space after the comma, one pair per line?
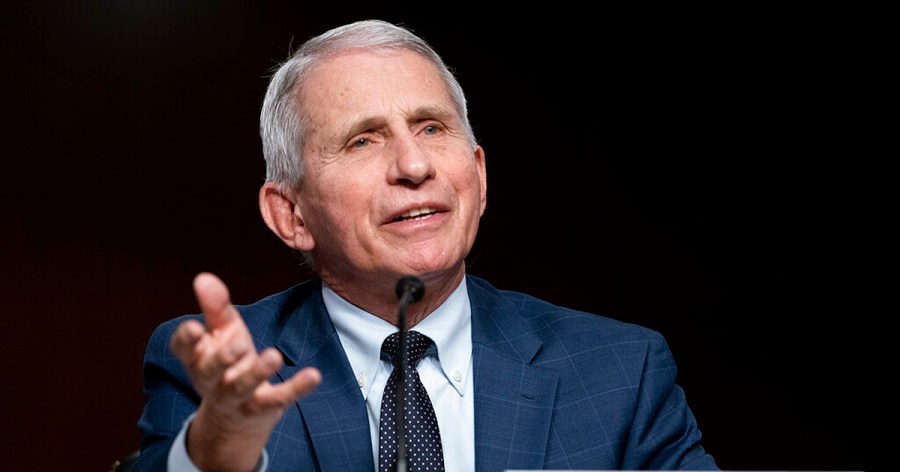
[417,212]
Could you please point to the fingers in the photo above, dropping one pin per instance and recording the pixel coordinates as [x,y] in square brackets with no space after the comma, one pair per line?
[222,361]
[281,395]
[186,338]
[244,376]
[207,352]
[245,384]
[215,300]
[302,384]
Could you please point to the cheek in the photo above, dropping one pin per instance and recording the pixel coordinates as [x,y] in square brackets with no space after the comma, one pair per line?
[469,181]
[345,203]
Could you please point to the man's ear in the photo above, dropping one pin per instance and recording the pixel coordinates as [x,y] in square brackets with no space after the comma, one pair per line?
[482,175]
[283,216]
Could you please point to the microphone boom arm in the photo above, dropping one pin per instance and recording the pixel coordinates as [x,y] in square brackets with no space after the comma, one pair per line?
[410,289]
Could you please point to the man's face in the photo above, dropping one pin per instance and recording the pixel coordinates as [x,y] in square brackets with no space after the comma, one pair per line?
[392,186]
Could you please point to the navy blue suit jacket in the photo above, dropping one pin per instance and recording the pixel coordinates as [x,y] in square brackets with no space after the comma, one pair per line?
[554,389]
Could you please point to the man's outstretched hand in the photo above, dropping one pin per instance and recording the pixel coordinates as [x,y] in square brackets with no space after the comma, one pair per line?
[239,405]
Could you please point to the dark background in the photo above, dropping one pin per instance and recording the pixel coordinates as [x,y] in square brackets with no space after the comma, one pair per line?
[682,169]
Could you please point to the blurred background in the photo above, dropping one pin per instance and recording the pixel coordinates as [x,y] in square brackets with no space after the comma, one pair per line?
[684,169]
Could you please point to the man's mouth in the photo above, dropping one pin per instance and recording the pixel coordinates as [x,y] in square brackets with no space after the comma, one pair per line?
[416,214]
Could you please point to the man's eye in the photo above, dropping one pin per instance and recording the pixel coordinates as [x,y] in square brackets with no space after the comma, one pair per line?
[360,143]
[431,130]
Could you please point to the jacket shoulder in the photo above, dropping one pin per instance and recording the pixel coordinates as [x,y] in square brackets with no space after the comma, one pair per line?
[553,322]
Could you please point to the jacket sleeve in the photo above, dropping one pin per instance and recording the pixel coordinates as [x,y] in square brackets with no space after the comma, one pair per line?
[169,399]
[665,435]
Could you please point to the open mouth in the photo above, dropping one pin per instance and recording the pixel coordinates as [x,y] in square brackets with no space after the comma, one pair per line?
[415,214]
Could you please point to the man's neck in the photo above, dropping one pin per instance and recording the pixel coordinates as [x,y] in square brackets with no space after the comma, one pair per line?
[380,299]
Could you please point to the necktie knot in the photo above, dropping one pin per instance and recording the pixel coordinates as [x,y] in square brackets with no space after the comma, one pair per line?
[416,346]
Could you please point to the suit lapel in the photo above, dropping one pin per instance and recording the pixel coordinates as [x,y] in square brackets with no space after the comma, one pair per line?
[335,414]
[513,399]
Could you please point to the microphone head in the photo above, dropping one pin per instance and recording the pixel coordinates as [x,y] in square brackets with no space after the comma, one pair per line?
[412,285]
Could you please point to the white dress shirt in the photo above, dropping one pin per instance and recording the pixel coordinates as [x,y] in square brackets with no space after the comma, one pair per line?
[447,377]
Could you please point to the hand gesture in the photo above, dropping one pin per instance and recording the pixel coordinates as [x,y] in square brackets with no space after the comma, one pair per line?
[239,406]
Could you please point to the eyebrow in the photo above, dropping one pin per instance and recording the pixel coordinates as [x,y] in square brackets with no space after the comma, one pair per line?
[359,126]
[439,113]
[427,112]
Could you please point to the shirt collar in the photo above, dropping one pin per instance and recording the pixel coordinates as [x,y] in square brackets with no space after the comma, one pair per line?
[361,335]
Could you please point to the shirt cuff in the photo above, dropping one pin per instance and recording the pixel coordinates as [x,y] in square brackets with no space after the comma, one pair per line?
[179,461]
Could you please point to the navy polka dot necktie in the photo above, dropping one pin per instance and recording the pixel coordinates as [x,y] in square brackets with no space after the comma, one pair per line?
[423,439]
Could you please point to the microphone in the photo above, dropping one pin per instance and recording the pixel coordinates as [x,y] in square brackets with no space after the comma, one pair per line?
[410,289]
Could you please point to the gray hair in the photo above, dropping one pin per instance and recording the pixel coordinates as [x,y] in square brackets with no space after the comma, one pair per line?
[283,123]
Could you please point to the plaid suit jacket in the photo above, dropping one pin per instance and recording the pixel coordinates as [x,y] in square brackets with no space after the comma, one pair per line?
[554,388]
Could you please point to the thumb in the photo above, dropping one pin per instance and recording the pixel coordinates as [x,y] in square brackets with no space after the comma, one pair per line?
[214,299]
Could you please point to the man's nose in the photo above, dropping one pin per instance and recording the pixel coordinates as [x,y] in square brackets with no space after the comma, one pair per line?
[412,161]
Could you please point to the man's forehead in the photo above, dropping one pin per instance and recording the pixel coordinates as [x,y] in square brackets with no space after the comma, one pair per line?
[366,87]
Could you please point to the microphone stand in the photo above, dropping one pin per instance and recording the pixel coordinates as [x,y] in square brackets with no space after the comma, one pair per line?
[410,289]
